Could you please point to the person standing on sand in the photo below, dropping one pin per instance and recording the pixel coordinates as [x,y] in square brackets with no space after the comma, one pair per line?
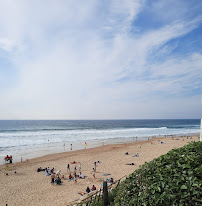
[68,167]
[95,166]
[79,166]
[53,178]
[71,146]
[94,172]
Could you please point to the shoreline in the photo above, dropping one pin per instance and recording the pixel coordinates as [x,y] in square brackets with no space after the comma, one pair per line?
[57,148]
[29,187]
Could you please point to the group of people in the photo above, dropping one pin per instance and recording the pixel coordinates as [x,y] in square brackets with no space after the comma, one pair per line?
[92,189]
[75,176]
[55,178]
[47,170]
[81,176]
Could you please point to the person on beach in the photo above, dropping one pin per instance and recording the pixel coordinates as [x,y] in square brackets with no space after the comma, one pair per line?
[53,178]
[58,181]
[87,189]
[93,188]
[81,175]
[75,177]
[80,166]
[71,146]
[94,172]
[47,172]
[111,180]
[70,176]
[58,173]
[131,163]
[68,167]
[52,170]
[74,174]
[95,166]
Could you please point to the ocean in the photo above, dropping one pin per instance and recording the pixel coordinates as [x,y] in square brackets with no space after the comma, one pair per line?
[34,138]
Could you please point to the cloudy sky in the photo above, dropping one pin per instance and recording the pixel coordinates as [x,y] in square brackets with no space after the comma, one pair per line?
[93,59]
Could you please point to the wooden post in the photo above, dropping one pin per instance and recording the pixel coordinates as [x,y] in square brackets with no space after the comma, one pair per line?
[105,193]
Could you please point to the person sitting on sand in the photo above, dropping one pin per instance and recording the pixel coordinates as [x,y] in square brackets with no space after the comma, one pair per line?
[136,155]
[49,170]
[58,181]
[53,178]
[40,169]
[131,164]
[81,175]
[70,176]
[47,173]
[87,189]
[111,180]
[93,188]
[52,170]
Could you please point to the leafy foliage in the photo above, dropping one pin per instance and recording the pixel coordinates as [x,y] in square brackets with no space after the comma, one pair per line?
[171,179]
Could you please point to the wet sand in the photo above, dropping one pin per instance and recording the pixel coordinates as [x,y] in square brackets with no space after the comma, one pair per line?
[29,187]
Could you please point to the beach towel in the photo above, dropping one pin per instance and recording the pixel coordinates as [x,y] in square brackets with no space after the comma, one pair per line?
[107,184]
[81,193]
[106,174]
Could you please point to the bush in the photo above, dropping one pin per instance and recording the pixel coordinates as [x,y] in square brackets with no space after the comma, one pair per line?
[171,179]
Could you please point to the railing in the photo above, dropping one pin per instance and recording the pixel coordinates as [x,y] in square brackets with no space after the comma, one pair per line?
[97,198]
[102,196]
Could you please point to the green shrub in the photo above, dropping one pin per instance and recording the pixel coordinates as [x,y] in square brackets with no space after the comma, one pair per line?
[171,179]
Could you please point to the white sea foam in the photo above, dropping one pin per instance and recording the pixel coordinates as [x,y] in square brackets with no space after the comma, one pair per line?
[29,138]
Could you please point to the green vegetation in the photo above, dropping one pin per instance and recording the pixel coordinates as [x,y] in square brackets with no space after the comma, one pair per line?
[173,179]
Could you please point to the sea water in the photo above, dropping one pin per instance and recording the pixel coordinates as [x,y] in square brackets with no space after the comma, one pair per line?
[33,138]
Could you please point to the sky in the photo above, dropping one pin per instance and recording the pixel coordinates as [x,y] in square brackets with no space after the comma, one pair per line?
[92,59]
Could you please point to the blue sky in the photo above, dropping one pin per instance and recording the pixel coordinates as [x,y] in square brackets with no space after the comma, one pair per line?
[116,59]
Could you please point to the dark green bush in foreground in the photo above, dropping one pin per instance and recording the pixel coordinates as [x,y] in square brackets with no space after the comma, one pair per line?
[171,179]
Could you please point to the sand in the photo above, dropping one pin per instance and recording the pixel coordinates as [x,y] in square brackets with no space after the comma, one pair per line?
[29,187]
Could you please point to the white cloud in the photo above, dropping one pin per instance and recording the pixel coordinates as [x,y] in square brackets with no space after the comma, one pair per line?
[71,56]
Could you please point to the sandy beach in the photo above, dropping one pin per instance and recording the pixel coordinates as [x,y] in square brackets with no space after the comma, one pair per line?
[29,187]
